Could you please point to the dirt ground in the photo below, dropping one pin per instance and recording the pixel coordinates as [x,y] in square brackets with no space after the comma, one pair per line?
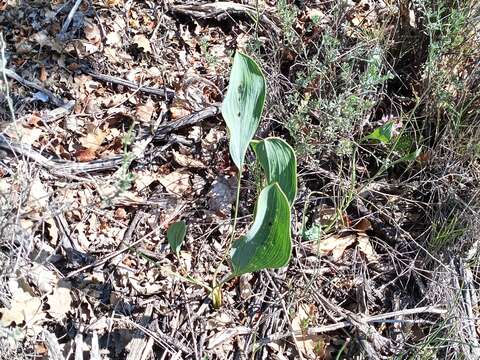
[111,130]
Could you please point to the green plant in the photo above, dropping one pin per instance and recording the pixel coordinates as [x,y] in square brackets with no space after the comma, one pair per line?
[287,15]
[176,235]
[268,243]
[210,58]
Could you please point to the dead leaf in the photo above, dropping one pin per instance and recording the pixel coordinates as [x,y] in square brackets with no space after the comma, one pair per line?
[245,287]
[92,32]
[184,160]
[143,179]
[227,334]
[111,3]
[363,225]
[52,230]
[43,74]
[42,278]
[37,197]
[178,112]
[114,39]
[335,245]
[93,140]
[213,137]
[195,133]
[198,184]
[23,308]
[142,42]
[145,111]
[177,182]
[60,301]
[26,135]
[311,346]
[366,248]
[84,155]
[120,214]
[112,195]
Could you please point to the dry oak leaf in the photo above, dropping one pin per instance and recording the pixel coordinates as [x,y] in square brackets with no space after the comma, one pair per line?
[366,248]
[60,300]
[84,155]
[114,39]
[335,245]
[93,140]
[112,195]
[145,111]
[177,182]
[143,179]
[112,3]
[178,112]
[222,195]
[91,143]
[24,308]
[27,135]
[37,196]
[142,42]
[184,160]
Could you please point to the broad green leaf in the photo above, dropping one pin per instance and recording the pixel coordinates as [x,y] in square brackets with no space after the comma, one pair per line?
[383,133]
[176,235]
[268,243]
[243,105]
[277,159]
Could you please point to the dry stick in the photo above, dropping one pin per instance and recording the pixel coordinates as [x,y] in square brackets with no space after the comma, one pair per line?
[3,72]
[61,167]
[368,319]
[51,96]
[284,308]
[165,92]
[105,259]
[190,323]
[188,120]
[138,346]
[69,18]
[64,167]
[160,337]
[223,10]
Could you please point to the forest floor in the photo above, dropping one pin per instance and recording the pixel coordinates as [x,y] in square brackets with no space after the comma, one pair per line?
[111,130]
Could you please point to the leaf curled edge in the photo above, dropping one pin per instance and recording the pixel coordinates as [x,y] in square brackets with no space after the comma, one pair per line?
[268,243]
[277,159]
[243,105]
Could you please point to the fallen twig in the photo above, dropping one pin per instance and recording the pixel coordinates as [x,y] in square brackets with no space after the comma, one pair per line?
[164,340]
[222,10]
[368,319]
[62,167]
[164,130]
[51,96]
[69,18]
[139,348]
[286,312]
[165,92]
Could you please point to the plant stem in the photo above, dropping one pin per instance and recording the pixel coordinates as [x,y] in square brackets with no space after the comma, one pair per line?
[235,215]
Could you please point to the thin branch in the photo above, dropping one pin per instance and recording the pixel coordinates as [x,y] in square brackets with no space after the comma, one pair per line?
[69,18]
[51,96]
